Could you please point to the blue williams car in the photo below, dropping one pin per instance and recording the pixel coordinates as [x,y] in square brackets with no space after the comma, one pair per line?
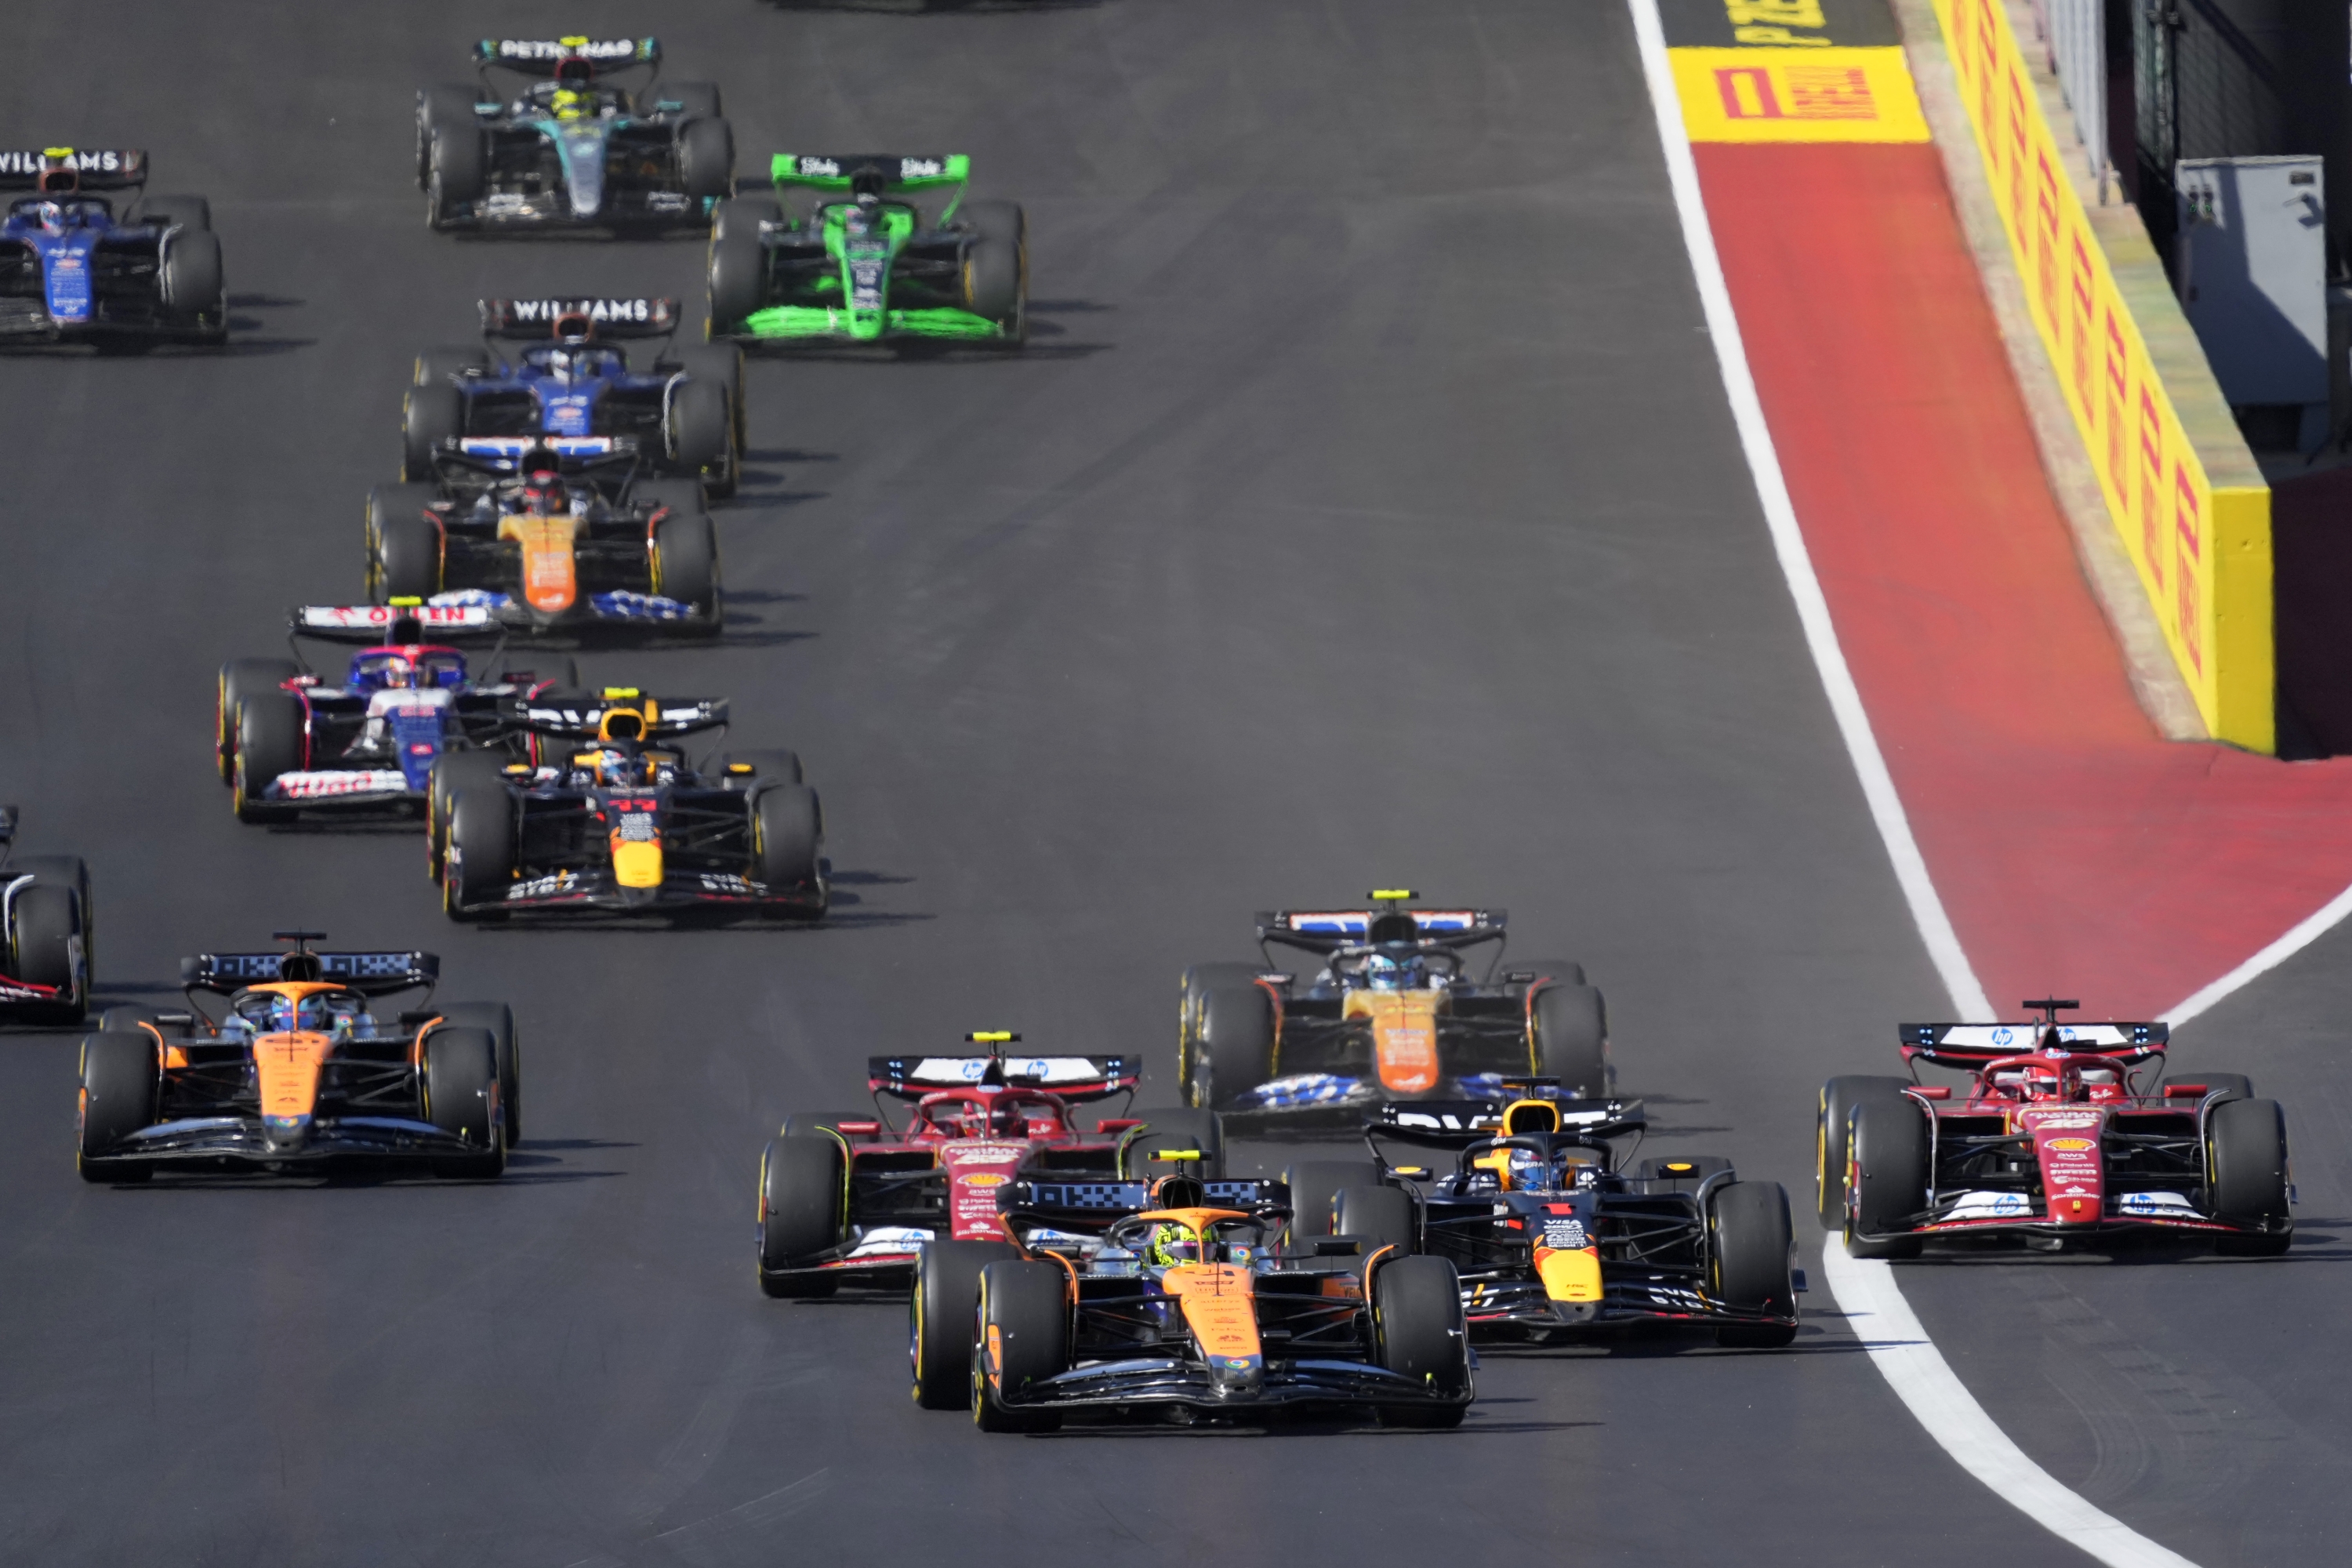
[551,372]
[571,150]
[72,270]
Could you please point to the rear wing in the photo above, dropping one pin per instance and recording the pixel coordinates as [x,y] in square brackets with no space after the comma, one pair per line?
[587,317]
[1072,1077]
[98,169]
[669,716]
[900,171]
[369,973]
[1458,1123]
[1097,1203]
[385,623]
[1327,931]
[541,57]
[1973,1045]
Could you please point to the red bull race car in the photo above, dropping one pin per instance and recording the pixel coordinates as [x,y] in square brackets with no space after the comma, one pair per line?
[852,1198]
[2062,1135]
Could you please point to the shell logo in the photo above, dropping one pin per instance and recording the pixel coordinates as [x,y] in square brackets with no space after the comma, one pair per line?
[984,1179]
[2072,1145]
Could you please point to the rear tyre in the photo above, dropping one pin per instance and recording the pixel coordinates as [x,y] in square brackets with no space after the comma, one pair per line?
[1887,1154]
[1235,1053]
[121,1077]
[272,739]
[1837,1098]
[434,367]
[815,1123]
[1749,1242]
[788,838]
[802,1192]
[683,498]
[695,99]
[461,1075]
[128,1020]
[1420,1333]
[2245,1155]
[722,364]
[453,772]
[698,434]
[1196,982]
[940,1316]
[405,558]
[1381,1216]
[2232,1085]
[771,766]
[186,212]
[1315,1187]
[706,159]
[496,1019]
[738,261]
[1571,1026]
[1176,1130]
[429,416]
[686,566]
[996,267]
[1024,1338]
[1552,971]
[1679,1173]
[481,852]
[43,922]
[240,678]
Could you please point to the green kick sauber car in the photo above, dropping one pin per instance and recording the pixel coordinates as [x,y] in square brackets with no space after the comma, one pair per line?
[847,253]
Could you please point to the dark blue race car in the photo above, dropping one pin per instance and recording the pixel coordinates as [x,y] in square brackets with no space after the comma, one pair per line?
[568,384]
[72,270]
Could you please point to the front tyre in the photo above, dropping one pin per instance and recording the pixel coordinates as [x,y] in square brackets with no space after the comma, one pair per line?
[272,740]
[1748,1243]
[1024,1338]
[1571,1039]
[121,1080]
[738,261]
[1835,1118]
[481,853]
[460,1098]
[240,678]
[996,267]
[496,1019]
[940,1316]
[1420,1333]
[2246,1170]
[1887,1186]
[801,1193]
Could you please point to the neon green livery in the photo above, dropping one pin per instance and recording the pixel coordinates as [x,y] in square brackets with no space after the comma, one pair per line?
[870,247]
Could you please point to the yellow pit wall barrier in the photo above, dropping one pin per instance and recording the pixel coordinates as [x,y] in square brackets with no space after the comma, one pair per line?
[2203,549]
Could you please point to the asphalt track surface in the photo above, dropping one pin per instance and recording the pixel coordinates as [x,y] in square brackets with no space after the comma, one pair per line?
[1365,511]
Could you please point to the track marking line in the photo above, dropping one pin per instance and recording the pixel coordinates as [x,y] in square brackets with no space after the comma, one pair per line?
[1896,1341]
[2298,937]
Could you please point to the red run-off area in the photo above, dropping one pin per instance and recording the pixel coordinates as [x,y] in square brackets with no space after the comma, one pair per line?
[2077,853]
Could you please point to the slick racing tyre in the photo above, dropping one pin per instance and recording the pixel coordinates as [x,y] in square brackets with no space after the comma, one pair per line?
[801,1190]
[454,172]
[272,739]
[120,1079]
[1679,1173]
[722,364]
[2229,1085]
[788,838]
[437,107]
[1748,1247]
[403,544]
[1551,971]
[767,767]
[686,564]
[706,159]
[996,267]
[1571,1028]
[67,871]
[496,1019]
[1839,1097]
[1024,1338]
[695,99]
[700,435]
[1420,1333]
[681,498]
[434,367]
[2246,1169]
[429,416]
[739,261]
[188,277]
[1234,1053]
[460,1085]
[1196,982]
[1887,1144]
[940,1314]
[1315,1187]
[240,678]
[815,1123]
[44,921]
[1378,1216]
[1175,1131]
[480,862]
[453,772]
[181,212]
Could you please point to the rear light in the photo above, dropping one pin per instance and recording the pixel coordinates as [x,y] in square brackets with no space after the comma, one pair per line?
[1118,1123]
[2185,1090]
[858,1129]
[1941,1091]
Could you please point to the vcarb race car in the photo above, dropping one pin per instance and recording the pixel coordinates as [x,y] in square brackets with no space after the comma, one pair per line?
[549,547]
[619,821]
[848,1198]
[287,741]
[1554,1235]
[476,409]
[47,920]
[72,270]
[2055,1140]
[812,266]
[1122,1299]
[573,150]
[291,1068]
[1395,1013]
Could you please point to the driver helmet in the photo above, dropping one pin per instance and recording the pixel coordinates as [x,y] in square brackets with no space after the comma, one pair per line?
[1530,1172]
[543,494]
[1382,972]
[567,104]
[287,1015]
[395,674]
[52,215]
[615,767]
[1173,1244]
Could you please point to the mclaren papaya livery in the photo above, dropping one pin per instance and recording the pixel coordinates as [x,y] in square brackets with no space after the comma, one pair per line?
[571,134]
[47,920]
[617,819]
[74,269]
[1125,1299]
[1555,1234]
[853,1198]
[2062,1135]
[1397,1011]
[288,1062]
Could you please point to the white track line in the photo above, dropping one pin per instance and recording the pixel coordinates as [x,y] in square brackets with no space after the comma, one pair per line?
[2302,936]
[1866,1290]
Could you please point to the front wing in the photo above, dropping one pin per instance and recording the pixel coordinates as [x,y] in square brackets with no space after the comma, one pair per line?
[1173,1380]
[241,1141]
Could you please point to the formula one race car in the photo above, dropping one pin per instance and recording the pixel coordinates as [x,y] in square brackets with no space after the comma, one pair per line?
[572,390]
[620,822]
[572,151]
[847,1198]
[1395,1013]
[73,271]
[287,742]
[1553,1236]
[2054,1140]
[1122,1299]
[48,923]
[291,1069]
[549,547]
[873,267]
